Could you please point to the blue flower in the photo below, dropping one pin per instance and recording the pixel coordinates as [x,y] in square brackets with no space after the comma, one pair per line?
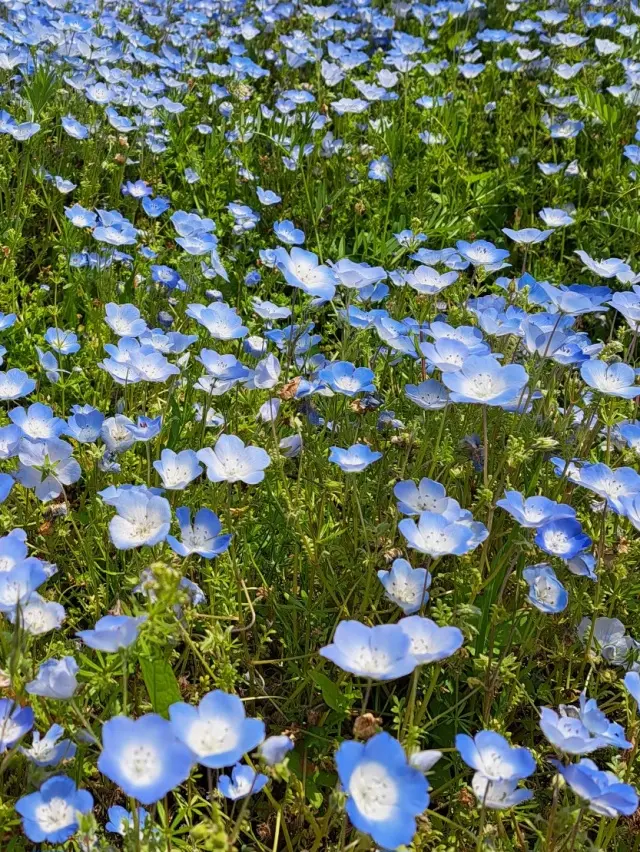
[482,253]
[155,207]
[563,538]
[202,538]
[482,380]
[499,795]
[221,321]
[632,684]
[55,679]
[618,487]
[37,422]
[142,519]
[231,461]
[527,236]
[244,781]
[121,820]
[19,582]
[143,757]
[51,814]
[441,535]
[429,642]
[546,592]
[343,377]
[217,732]
[113,633]
[379,653]
[380,169]
[406,586]
[85,424]
[384,792]
[64,342]
[177,470]
[74,128]
[274,749]
[47,466]
[288,234]
[14,384]
[490,754]
[124,320]
[49,750]
[15,722]
[355,459]
[267,196]
[431,395]
[302,270]
[534,512]
[610,379]
[606,794]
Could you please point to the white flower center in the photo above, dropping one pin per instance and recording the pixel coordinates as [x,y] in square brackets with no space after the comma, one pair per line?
[212,736]
[374,791]
[55,814]
[141,764]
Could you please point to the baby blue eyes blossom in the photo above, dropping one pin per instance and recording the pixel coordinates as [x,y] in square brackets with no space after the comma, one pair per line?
[385,793]
[142,519]
[430,643]
[52,813]
[603,791]
[342,377]
[406,586]
[202,537]
[563,538]
[546,592]
[144,757]
[483,380]
[244,781]
[15,722]
[49,750]
[14,384]
[113,633]
[581,730]
[534,512]
[231,461]
[441,535]
[379,653]
[177,470]
[217,732]
[355,459]
[55,679]
[610,379]
[498,768]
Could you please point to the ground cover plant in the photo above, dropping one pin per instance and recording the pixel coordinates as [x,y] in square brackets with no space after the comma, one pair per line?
[319,434]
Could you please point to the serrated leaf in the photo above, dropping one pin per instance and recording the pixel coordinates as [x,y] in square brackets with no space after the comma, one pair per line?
[161,684]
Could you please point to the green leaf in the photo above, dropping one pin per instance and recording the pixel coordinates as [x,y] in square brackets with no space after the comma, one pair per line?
[161,684]
[332,696]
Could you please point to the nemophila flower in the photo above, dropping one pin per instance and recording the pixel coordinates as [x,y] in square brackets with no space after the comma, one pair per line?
[177,470]
[6,321]
[269,410]
[202,538]
[266,374]
[221,321]
[113,633]
[267,196]
[225,368]
[55,679]
[492,756]
[38,616]
[405,586]
[49,364]
[144,757]
[288,234]
[430,395]
[217,732]
[604,792]
[482,380]
[344,378]
[244,781]
[554,217]
[527,236]
[124,320]
[274,749]
[142,519]
[37,422]
[356,276]
[380,169]
[608,637]
[231,461]
[47,466]
[14,384]
[482,253]
[291,446]
[354,459]
[384,792]
[116,433]
[426,496]
[379,653]
[80,217]
[270,311]
[155,207]
[470,336]
[499,795]
[85,424]
[632,684]
[441,535]
[618,487]
[15,722]
[611,267]
[52,813]
[428,282]
[616,379]
[6,485]
[302,270]
[563,538]
[628,304]
[64,342]
[546,592]
[49,750]
[534,512]
[429,642]
[121,820]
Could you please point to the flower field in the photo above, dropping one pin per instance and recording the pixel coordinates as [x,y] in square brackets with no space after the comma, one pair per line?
[319,428]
